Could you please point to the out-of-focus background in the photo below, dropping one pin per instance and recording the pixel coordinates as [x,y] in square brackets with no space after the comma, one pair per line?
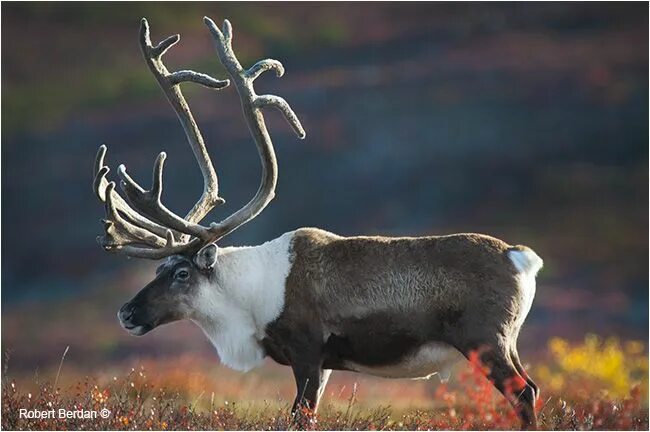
[525,121]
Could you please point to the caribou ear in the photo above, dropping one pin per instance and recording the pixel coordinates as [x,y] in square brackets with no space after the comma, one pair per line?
[206,258]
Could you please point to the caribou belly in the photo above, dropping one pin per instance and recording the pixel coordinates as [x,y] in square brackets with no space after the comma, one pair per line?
[429,359]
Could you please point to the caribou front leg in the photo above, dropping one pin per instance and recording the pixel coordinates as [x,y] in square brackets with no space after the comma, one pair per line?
[311,380]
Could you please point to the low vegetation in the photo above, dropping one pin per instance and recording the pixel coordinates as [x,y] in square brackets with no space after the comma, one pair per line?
[597,384]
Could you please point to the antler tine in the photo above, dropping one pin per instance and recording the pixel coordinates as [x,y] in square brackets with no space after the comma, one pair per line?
[100,186]
[162,47]
[251,106]
[281,105]
[262,66]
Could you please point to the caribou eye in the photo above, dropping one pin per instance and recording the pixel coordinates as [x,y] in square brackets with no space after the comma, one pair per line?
[182,275]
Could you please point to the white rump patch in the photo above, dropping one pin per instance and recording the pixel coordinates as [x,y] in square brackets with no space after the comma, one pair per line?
[526,261]
[248,294]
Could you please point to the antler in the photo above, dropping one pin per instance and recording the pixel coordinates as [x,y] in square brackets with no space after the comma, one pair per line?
[252,105]
[143,227]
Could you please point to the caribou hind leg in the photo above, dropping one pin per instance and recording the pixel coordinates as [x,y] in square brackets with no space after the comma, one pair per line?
[514,356]
[502,372]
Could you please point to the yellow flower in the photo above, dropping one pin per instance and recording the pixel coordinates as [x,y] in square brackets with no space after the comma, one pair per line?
[610,362]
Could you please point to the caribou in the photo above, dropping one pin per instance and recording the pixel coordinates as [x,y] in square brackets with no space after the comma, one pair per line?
[394,307]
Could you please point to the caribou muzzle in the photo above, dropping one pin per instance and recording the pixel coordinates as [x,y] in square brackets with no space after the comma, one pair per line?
[134,320]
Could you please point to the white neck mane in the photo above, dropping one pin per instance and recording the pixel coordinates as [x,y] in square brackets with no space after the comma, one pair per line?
[246,295]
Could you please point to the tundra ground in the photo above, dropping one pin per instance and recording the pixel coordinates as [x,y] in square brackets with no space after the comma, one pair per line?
[597,384]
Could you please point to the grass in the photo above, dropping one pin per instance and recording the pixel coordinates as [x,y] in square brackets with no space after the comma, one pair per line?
[597,384]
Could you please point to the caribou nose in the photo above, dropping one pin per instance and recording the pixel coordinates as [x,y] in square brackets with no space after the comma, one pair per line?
[125,313]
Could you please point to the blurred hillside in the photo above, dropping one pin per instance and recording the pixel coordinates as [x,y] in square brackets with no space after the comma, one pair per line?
[525,121]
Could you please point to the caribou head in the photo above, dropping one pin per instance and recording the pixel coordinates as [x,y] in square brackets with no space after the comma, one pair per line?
[140,225]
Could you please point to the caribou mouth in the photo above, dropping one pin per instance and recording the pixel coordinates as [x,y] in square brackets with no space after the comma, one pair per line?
[136,330]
